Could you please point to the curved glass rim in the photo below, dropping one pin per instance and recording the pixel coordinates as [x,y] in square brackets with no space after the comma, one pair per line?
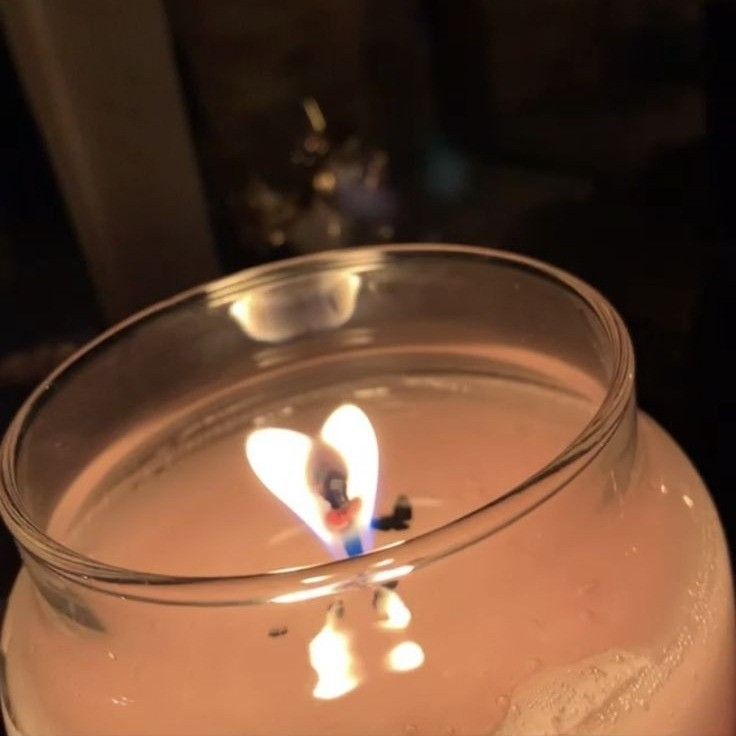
[379,565]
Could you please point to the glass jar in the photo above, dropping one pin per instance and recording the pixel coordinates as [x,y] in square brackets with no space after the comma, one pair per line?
[541,558]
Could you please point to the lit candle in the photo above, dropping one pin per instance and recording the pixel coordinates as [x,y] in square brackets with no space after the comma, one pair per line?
[388,525]
[331,483]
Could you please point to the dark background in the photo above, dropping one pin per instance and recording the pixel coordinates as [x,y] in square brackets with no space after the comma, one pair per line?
[596,135]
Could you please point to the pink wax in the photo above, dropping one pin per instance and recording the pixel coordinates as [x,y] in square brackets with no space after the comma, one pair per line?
[606,610]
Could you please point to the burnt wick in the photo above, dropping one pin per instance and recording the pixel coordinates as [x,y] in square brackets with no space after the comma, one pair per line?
[398,520]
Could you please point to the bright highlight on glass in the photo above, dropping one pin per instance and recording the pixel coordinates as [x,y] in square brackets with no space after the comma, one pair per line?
[271,315]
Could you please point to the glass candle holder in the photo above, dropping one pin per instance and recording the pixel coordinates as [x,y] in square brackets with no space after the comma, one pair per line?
[400,490]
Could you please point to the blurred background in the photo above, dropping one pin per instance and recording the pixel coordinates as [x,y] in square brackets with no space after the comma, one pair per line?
[147,146]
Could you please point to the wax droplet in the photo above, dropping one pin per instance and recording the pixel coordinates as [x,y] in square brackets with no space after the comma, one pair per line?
[111,655]
[663,489]
[688,501]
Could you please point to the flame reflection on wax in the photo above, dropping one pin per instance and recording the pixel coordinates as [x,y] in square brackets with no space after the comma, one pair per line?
[405,657]
[395,613]
[332,659]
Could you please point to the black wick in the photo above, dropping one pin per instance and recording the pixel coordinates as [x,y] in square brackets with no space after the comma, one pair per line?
[335,490]
[398,520]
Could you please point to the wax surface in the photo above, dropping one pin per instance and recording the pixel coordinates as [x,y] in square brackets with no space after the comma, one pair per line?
[450,444]
[600,612]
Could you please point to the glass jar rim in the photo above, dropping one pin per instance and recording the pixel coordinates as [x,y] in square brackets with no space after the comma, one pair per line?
[374,567]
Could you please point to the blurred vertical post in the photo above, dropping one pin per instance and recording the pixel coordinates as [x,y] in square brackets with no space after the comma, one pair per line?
[102,81]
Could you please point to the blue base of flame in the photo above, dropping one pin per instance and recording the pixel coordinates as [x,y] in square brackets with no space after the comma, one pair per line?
[353,546]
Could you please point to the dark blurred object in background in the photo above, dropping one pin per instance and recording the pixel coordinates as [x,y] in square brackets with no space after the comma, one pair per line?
[596,135]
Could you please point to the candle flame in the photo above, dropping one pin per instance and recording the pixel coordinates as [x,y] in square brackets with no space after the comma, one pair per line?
[349,431]
[293,467]
[332,660]
[279,458]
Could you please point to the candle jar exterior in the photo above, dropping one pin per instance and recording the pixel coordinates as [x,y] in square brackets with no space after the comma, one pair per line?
[557,566]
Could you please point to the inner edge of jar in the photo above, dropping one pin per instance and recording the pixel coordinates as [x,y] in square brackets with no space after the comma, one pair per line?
[335,575]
